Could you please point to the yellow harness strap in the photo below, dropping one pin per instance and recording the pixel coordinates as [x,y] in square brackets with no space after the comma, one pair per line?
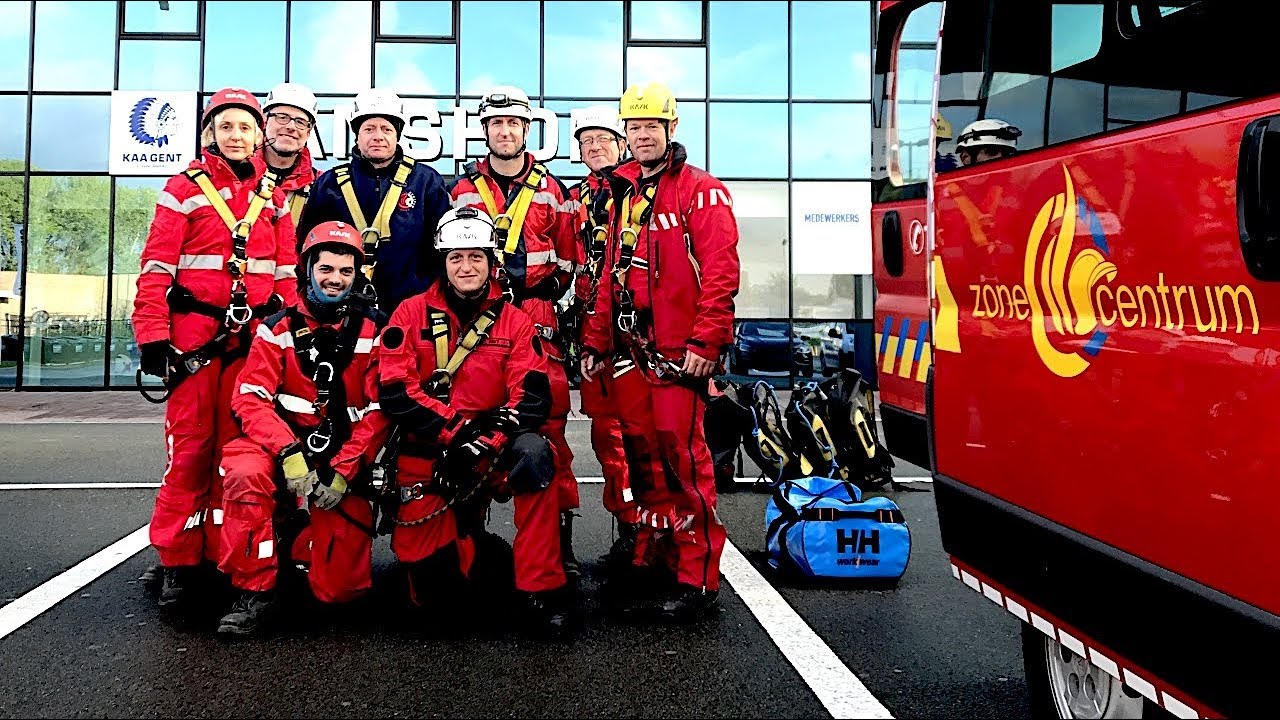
[239,260]
[510,223]
[446,364]
[635,216]
[373,233]
[297,200]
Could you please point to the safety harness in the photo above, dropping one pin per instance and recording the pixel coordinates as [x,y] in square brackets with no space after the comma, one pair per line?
[324,355]
[379,230]
[510,223]
[297,201]
[439,385]
[237,315]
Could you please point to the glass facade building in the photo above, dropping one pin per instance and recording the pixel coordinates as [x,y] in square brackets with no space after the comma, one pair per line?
[774,99]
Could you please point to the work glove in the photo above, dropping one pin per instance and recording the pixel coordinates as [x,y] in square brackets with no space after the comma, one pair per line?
[327,495]
[155,358]
[505,420]
[298,475]
[466,459]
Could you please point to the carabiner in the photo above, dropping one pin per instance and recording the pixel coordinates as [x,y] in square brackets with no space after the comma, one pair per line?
[239,314]
[318,442]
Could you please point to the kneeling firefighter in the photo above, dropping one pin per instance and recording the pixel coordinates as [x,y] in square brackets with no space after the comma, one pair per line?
[464,375]
[306,400]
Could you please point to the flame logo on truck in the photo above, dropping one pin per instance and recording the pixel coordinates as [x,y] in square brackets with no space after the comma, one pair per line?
[1072,299]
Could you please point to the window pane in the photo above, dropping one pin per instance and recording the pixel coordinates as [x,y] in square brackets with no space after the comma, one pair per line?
[749,140]
[66,281]
[227,63]
[69,133]
[831,248]
[514,60]
[329,46]
[761,211]
[770,350]
[831,50]
[583,49]
[416,18]
[692,131]
[923,24]
[88,62]
[831,141]
[417,68]
[15,43]
[156,17]
[159,64]
[666,20]
[748,49]
[135,205]
[13,133]
[684,70]
[10,255]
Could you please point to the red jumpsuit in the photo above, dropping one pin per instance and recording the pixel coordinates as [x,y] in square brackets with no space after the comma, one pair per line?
[274,402]
[506,369]
[540,271]
[597,395]
[683,281]
[188,246]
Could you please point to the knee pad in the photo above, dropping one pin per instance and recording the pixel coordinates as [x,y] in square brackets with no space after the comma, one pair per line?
[533,464]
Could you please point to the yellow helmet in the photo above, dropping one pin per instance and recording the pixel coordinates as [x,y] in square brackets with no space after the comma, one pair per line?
[944,128]
[651,101]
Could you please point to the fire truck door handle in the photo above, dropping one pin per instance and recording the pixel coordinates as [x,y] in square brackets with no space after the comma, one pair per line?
[891,243]
[1258,198]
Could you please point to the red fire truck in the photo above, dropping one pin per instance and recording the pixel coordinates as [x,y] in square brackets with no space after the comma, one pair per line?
[1105,336]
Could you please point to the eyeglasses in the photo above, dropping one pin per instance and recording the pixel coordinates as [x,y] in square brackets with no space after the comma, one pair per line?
[285,119]
[593,141]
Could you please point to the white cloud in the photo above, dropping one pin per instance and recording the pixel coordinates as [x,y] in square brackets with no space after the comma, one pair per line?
[666,20]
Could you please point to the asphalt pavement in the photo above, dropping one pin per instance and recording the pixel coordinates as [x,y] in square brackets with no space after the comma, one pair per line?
[929,647]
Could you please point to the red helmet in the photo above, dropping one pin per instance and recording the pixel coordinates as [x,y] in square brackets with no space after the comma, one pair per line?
[332,233]
[231,97]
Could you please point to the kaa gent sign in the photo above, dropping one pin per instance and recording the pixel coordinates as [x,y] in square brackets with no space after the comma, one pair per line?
[152,133]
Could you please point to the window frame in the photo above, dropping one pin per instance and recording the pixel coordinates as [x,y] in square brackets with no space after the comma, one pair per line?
[124,34]
[452,37]
[630,41]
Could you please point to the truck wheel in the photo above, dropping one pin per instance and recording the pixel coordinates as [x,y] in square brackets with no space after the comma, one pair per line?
[1063,684]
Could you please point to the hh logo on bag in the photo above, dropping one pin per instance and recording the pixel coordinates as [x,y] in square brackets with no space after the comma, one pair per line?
[858,541]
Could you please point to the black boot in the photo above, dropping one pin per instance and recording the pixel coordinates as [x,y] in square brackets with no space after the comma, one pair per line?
[152,578]
[687,603]
[571,568]
[178,586]
[550,613]
[623,549]
[250,613]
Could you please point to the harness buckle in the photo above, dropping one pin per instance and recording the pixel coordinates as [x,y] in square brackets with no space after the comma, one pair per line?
[329,374]
[416,491]
[237,266]
[502,223]
[543,331]
[193,364]
[365,233]
[241,223]
[318,440]
[438,384]
[238,312]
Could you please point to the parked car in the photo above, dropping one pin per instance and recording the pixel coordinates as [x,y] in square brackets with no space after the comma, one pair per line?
[831,345]
[761,348]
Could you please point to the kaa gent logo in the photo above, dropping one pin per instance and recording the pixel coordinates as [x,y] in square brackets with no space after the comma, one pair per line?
[1072,298]
[152,122]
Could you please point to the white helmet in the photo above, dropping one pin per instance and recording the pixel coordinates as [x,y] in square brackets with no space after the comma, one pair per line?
[988,133]
[465,228]
[505,101]
[377,102]
[293,95]
[601,117]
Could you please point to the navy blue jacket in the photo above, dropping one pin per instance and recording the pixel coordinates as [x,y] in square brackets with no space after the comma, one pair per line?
[408,263]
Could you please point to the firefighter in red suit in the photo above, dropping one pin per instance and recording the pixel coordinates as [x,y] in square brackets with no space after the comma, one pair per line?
[663,318]
[219,257]
[601,143]
[464,376]
[291,116]
[536,222]
[307,401]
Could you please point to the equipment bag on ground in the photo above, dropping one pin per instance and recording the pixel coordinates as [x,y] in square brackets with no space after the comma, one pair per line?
[821,527]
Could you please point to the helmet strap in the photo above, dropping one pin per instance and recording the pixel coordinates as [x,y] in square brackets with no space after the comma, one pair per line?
[317,296]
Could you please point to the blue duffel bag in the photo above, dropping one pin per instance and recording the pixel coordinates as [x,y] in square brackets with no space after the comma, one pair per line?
[821,527]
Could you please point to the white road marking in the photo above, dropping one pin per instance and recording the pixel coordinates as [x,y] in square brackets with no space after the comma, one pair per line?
[585,480]
[29,606]
[837,688]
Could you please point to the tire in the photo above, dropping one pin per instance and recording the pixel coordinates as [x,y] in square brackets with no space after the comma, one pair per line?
[1064,685]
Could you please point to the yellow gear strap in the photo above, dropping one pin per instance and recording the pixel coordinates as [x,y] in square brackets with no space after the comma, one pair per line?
[239,261]
[511,223]
[297,200]
[635,216]
[373,233]
[446,364]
